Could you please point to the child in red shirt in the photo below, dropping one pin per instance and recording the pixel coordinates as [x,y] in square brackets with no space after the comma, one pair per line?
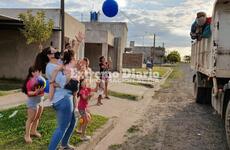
[85,94]
[34,110]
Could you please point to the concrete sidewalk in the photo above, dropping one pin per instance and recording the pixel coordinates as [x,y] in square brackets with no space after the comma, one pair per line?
[16,99]
[128,89]
[12,100]
[126,111]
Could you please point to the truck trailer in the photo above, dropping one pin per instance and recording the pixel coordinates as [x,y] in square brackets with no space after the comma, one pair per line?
[210,58]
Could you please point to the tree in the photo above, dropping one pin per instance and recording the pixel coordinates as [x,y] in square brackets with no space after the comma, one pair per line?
[36,28]
[174,57]
[187,59]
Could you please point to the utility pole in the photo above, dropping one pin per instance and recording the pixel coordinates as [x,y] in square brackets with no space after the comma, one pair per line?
[154,40]
[81,17]
[143,40]
[62,25]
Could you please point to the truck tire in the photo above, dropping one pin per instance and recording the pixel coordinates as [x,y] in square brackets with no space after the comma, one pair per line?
[203,95]
[227,124]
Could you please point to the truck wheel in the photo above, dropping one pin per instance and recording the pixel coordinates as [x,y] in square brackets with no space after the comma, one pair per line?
[208,99]
[198,93]
[227,124]
[202,95]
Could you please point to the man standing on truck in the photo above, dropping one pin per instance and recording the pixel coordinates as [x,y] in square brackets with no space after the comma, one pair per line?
[201,28]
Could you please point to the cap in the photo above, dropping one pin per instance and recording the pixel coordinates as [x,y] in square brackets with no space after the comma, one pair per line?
[201,14]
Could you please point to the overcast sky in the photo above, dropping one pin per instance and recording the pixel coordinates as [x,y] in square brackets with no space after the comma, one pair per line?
[170,20]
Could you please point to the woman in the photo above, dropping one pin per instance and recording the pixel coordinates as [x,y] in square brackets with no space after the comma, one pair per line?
[62,100]
[62,103]
[104,73]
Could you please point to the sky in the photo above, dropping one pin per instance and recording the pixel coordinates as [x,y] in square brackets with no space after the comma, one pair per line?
[170,20]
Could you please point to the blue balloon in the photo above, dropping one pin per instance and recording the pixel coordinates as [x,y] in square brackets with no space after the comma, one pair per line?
[110,8]
[47,88]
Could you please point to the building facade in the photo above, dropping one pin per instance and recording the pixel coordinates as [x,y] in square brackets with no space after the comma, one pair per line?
[155,54]
[16,56]
[106,39]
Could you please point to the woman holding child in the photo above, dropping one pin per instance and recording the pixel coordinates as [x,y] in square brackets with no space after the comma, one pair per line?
[61,96]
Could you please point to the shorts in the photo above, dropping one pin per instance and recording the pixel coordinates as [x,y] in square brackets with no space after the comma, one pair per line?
[104,76]
[34,102]
[100,92]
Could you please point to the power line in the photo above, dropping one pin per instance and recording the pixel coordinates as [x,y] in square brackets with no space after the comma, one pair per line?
[126,16]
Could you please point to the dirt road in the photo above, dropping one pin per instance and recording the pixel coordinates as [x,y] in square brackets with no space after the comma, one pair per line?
[173,121]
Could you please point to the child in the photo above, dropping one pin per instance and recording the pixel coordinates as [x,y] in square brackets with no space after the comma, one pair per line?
[104,73]
[85,94]
[100,91]
[88,70]
[68,58]
[34,110]
[69,67]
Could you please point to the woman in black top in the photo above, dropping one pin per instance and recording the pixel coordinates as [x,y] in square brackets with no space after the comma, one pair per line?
[104,74]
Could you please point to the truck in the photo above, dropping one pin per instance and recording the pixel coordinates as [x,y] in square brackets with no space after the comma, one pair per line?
[210,58]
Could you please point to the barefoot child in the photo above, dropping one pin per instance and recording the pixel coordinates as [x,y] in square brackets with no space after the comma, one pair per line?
[34,110]
[100,92]
[85,94]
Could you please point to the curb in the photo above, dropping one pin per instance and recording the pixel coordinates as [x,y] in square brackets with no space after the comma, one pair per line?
[166,76]
[167,73]
[158,86]
[99,135]
[6,107]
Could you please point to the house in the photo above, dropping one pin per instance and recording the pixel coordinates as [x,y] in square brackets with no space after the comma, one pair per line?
[150,52]
[16,56]
[105,39]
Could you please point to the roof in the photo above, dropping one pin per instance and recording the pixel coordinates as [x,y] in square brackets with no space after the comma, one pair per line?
[8,18]
[11,14]
[114,23]
[9,22]
[150,47]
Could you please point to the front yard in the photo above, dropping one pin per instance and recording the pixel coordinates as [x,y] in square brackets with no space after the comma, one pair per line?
[12,129]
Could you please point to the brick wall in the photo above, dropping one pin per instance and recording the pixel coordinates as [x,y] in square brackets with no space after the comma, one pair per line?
[131,60]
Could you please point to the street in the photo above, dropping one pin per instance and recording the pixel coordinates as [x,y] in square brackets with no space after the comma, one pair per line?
[173,121]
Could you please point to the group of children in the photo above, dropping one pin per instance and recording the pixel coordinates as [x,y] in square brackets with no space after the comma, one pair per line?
[79,82]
